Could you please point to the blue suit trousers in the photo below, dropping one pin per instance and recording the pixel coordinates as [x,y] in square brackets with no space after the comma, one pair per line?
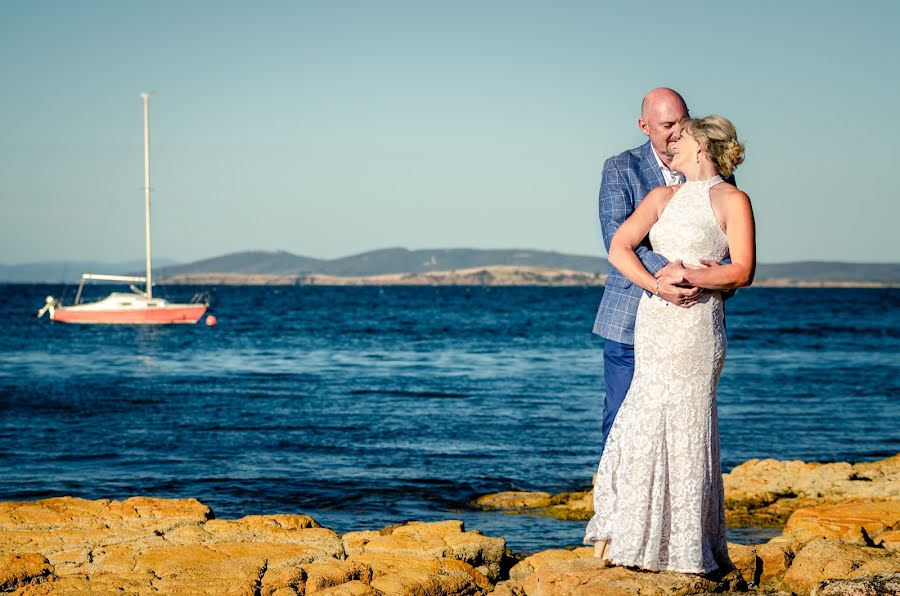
[618,370]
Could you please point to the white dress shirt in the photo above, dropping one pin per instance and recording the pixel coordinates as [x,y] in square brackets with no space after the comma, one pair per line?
[669,177]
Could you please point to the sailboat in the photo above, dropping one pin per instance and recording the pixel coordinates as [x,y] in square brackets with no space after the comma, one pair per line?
[139,307]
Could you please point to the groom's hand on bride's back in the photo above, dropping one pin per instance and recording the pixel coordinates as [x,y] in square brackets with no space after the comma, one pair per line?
[672,287]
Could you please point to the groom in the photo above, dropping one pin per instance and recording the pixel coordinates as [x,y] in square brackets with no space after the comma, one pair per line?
[627,178]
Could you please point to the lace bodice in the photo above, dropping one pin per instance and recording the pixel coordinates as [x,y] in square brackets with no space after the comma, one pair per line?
[688,229]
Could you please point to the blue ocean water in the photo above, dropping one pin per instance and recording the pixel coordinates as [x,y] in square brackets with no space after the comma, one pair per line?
[369,406]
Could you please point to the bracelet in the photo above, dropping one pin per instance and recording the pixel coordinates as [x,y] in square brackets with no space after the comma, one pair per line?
[657,286]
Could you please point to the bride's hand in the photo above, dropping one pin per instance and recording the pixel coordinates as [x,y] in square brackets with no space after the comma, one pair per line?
[672,289]
[671,286]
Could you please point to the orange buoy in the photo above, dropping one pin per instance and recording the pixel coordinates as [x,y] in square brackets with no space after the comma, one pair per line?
[211,320]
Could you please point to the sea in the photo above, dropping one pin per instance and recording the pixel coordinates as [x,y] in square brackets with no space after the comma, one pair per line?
[369,406]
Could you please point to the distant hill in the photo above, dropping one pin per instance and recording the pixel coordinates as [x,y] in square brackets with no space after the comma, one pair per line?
[385,261]
[830,271]
[247,263]
[426,266]
[402,261]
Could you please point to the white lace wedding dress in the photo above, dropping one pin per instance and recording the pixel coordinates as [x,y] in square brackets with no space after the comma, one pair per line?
[658,495]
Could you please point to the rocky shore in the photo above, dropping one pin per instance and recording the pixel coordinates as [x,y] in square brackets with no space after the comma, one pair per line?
[493,275]
[841,536]
[762,493]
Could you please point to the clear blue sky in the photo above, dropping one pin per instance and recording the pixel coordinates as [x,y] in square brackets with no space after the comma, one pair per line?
[332,128]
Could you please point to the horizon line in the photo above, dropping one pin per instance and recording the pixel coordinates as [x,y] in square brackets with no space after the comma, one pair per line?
[603,256]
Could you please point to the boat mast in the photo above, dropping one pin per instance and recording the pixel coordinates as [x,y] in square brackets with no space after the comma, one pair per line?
[146,99]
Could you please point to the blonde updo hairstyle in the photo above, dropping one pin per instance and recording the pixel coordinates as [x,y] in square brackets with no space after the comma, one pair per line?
[718,138]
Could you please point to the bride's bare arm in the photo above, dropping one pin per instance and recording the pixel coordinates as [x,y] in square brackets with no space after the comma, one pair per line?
[630,235]
[741,232]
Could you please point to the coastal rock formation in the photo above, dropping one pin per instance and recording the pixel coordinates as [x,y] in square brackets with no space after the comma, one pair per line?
[824,561]
[569,506]
[885,584]
[577,572]
[824,546]
[841,530]
[490,275]
[145,545]
[841,567]
[757,493]
[768,491]
[416,548]
[513,500]
[762,564]
[17,571]
[866,524]
[889,540]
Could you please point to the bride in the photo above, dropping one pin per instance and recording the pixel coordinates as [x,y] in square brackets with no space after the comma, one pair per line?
[658,495]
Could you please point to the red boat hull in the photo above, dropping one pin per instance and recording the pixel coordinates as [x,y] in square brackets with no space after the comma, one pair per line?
[188,313]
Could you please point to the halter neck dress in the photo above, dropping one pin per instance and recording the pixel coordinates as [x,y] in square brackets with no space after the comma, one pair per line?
[658,494]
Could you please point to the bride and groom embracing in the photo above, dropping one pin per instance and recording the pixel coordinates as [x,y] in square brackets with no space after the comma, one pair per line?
[680,235]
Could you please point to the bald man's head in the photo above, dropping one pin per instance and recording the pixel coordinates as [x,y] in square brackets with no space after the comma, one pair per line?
[661,111]
[662,97]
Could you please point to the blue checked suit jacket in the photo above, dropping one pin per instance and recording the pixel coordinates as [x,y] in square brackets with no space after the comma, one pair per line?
[627,178]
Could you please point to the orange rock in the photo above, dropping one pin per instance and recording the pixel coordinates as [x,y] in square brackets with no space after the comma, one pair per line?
[17,571]
[355,542]
[225,567]
[434,540]
[72,513]
[761,564]
[824,560]
[747,563]
[529,565]
[78,585]
[586,576]
[571,506]
[321,576]
[354,588]
[881,583]
[889,540]
[323,540]
[144,545]
[283,579]
[757,493]
[774,559]
[397,574]
[512,500]
[859,523]
[766,492]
